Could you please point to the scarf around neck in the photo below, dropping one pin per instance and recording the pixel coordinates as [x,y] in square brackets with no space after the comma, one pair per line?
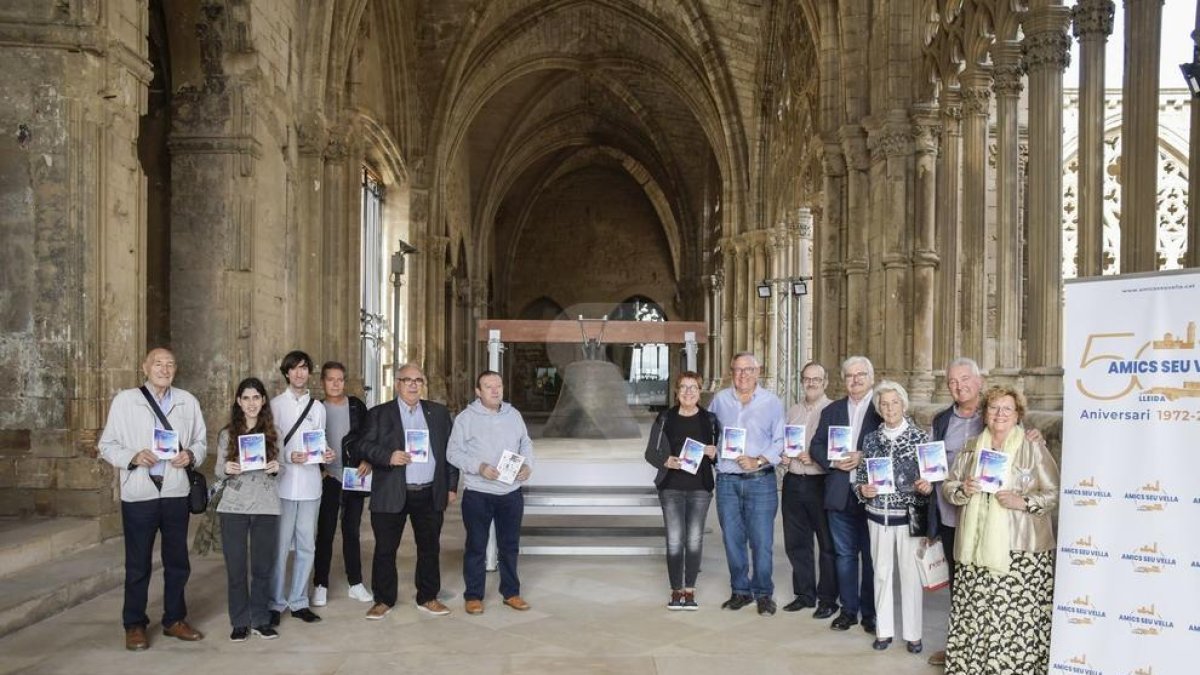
[983,525]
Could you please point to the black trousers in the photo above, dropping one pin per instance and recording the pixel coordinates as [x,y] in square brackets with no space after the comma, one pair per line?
[427,529]
[350,504]
[248,541]
[804,516]
[142,521]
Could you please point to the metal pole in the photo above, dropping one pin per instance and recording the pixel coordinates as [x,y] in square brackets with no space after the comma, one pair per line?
[689,349]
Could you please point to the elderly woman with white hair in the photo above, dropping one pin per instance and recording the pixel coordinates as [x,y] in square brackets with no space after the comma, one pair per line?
[895,517]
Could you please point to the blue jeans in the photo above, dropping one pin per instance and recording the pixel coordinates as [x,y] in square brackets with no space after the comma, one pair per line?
[746,509]
[479,509]
[684,513]
[851,540]
[297,527]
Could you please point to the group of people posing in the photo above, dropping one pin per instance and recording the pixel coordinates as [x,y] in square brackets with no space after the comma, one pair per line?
[999,545]
[278,522]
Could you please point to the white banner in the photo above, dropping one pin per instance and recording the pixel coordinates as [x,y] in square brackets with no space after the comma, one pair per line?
[1127,585]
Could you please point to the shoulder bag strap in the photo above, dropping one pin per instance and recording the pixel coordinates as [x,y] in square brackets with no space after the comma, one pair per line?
[154,406]
[292,431]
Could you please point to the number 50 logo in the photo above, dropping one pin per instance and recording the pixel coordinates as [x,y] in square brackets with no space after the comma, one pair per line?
[1100,350]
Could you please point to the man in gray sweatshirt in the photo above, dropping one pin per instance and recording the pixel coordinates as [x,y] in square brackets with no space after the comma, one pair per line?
[482,433]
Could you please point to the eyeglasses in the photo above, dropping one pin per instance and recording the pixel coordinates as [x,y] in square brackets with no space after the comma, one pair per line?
[1001,409]
[748,370]
[856,376]
[409,381]
[689,389]
[812,380]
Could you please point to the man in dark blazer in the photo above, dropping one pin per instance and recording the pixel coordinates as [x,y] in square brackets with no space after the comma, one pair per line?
[403,489]
[847,517]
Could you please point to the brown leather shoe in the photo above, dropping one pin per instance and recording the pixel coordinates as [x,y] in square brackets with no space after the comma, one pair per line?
[378,611]
[938,658]
[434,607]
[135,639]
[474,607]
[181,630]
[516,603]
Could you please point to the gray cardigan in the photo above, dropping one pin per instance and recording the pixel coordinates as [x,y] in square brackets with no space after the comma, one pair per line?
[250,493]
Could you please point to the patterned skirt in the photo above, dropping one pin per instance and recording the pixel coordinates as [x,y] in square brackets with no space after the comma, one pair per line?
[1000,625]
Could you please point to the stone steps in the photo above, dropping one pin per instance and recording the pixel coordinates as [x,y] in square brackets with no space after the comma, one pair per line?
[50,565]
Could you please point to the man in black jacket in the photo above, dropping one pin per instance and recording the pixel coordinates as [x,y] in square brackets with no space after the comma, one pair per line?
[405,442]
[847,517]
[344,419]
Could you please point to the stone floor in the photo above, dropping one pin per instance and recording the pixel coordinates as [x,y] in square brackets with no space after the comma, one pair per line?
[590,615]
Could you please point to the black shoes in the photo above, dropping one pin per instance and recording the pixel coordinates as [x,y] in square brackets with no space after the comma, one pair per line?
[239,634]
[843,622]
[736,602]
[914,647]
[274,618]
[266,632]
[306,615]
[880,645]
[868,624]
[824,611]
[798,604]
[766,606]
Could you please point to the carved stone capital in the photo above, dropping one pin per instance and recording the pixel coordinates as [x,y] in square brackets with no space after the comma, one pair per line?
[1008,79]
[435,246]
[925,138]
[976,100]
[337,146]
[854,145]
[716,281]
[833,162]
[1093,19]
[311,136]
[1047,50]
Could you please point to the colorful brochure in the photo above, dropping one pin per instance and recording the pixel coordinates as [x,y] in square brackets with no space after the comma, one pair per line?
[510,464]
[881,475]
[733,443]
[166,444]
[252,452]
[352,481]
[314,446]
[839,443]
[691,455]
[931,459]
[416,444]
[993,469]
[793,440]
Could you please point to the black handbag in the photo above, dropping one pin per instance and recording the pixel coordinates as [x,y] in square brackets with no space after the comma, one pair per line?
[197,483]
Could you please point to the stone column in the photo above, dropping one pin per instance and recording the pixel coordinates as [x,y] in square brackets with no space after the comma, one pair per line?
[1046,55]
[436,335]
[802,243]
[1008,75]
[335,335]
[858,196]
[894,144]
[738,301]
[1139,136]
[827,294]
[948,174]
[972,263]
[925,257]
[775,353]
[714,318]
[1093,23]
[761,327]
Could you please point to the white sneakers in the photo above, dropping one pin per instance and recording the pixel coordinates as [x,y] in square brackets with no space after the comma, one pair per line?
[320,596]
[360,593]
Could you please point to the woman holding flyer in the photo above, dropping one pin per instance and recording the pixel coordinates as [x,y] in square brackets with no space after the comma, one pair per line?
[249,508]
[1007,486]
[682,447]
[889,483]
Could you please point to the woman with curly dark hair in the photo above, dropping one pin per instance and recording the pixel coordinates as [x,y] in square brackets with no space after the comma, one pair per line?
[249,510]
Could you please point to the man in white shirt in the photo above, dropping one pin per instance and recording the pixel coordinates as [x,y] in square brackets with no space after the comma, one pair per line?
[296,412]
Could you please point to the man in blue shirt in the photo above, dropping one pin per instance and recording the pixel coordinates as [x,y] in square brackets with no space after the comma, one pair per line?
[747,497]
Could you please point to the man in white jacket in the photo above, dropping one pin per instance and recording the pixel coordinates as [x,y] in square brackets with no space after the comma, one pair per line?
[482,432]
[154,493]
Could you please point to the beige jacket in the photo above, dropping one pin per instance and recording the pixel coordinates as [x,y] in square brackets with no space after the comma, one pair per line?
[130,429]
[1035,473]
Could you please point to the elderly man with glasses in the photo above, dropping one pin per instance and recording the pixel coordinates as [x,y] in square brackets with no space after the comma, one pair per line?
[746,494]
[847,517]
[409,483]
